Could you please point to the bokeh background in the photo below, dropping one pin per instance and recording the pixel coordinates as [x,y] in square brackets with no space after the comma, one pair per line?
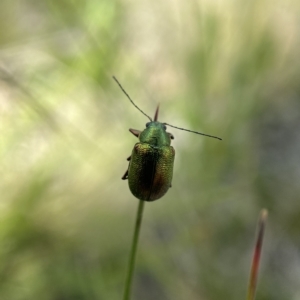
[227,68]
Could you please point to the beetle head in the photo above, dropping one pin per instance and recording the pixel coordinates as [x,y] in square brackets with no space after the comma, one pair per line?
[155,133]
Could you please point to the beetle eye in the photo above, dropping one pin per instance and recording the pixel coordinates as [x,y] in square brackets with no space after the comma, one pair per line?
[147,124]
[165,127]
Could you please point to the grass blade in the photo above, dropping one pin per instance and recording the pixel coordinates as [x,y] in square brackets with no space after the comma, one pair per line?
[256,255]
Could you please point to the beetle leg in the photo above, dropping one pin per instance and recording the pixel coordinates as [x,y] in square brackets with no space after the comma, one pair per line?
[170,185]
[125,176]
[129,158]
[135,132]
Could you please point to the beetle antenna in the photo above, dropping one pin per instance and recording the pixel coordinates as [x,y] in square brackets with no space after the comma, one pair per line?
[212,136]
[119,84]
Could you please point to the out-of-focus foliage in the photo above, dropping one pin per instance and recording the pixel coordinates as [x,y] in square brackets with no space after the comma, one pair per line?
[227,68]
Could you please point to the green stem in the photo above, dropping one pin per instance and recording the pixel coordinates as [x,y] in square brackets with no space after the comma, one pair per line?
[138,222]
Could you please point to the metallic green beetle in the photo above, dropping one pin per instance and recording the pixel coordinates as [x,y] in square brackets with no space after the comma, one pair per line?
[150,169]
[151,162]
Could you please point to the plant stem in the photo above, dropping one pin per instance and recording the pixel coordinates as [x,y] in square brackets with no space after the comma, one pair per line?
[138,222]
[256,255]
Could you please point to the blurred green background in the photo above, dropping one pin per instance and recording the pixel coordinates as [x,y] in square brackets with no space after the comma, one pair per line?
[226,68]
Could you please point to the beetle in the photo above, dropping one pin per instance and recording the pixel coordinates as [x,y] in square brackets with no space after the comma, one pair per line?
[150,169]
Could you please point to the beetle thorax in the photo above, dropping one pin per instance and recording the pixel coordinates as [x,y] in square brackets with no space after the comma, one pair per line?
[155,134]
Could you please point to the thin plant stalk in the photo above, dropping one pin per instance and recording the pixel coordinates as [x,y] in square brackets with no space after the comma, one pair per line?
[130,271]
[256,255]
